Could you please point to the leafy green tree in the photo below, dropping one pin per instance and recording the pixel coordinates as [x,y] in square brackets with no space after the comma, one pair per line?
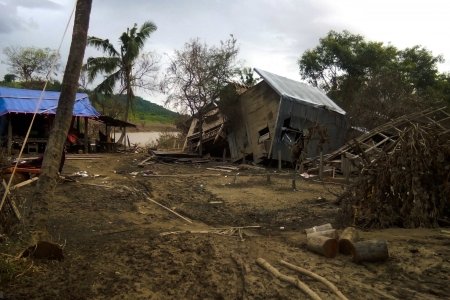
[8,78]
[373,82]
[119,65]
[197,75]
[30,63]
[247,77]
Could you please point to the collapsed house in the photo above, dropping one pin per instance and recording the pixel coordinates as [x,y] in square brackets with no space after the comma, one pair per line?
[270,119]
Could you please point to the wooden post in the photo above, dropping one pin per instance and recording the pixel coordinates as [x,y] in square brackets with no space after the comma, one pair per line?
[294,187]
[371,250]
[279,160]
[347,239]
[346,168]
[86,135]
[9,142]
[78,124]
[224,155]
[321,166]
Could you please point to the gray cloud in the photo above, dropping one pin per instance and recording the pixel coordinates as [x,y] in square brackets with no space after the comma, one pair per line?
[11,21]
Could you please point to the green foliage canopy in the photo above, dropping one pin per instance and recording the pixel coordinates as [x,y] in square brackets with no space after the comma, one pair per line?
[30,63]
[373,81]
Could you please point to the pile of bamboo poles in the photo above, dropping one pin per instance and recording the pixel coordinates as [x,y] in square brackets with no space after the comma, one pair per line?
[407,185]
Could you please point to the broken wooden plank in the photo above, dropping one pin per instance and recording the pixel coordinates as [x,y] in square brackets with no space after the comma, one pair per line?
[220,170]
[142,163]
[23,183]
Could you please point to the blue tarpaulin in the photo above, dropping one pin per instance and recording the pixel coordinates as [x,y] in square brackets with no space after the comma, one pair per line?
[25,101]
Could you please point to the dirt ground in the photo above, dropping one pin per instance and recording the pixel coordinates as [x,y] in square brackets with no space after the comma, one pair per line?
[115,246]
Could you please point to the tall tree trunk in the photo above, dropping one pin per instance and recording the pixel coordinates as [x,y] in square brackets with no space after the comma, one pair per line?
[130,96]
[61,125]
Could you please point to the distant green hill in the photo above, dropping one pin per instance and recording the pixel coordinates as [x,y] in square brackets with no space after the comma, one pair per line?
[147,111]
[142,112]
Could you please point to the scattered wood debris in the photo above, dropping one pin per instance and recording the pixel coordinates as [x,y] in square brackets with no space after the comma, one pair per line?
[406,185]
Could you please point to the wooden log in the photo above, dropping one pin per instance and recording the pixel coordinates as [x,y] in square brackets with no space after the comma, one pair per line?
[323,245]
[348,237]
[319,228]
[331,233]
[311,274]
[292,280]
[371,250]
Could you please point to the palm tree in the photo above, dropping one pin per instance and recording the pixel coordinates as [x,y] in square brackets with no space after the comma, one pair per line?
[117,66]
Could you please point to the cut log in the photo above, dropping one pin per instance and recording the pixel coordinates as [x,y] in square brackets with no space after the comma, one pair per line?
[348,237]
[322,245]
[371,250]
[319,228]
[331,233]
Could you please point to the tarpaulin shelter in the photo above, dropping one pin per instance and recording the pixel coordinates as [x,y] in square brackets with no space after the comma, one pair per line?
[25,101]
[18,105]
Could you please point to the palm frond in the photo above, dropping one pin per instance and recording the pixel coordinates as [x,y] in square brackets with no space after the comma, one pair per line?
[97,65]
[102,44]
[107,86]
[144,32]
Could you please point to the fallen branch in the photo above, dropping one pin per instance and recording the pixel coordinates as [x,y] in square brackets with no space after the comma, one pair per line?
[325,281]
[292,280]
[171,210]
[222,231]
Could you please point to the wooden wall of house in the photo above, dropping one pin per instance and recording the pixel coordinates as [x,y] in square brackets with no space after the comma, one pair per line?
[259,107]
[302,117]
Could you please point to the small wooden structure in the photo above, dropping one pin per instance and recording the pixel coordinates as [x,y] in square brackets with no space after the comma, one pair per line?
[17,107]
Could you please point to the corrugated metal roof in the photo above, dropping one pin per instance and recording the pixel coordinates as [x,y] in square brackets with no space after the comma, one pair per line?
[299,91]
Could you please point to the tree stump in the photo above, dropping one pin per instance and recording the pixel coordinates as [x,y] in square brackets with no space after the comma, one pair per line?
[348,237]
[319,228]
[371,250]
[322,245]
[331,233]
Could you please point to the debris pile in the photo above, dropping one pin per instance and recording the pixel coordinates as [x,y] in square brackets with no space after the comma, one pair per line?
[406,185]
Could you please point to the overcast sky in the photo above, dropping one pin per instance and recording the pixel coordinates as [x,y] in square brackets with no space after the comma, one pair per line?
[272,34]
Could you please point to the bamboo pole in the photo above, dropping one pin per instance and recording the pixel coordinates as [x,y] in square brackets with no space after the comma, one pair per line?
[172,211]
[325,281]
[292,280]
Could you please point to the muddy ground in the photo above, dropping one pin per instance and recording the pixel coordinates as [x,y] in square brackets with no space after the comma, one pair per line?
[113,247]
